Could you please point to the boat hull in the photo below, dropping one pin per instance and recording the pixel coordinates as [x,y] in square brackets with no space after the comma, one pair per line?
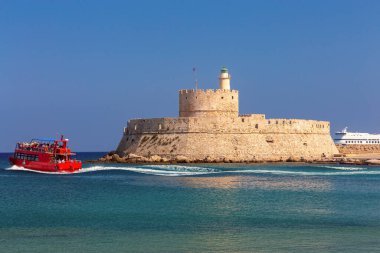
[67,166]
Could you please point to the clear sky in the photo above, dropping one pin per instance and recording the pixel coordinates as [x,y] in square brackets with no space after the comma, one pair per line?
[83,68]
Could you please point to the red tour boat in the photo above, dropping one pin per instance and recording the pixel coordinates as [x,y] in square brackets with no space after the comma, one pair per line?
[45,155]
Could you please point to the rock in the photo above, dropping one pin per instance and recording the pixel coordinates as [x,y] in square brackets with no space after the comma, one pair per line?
[111,153]
[218,160]
[130,156]
[108,158]
[155,158]
[165,160]
[117,158]
[182,159]
[373,162]
[292,159]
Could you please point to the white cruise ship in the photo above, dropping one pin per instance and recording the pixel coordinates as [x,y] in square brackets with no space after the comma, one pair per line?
[347,138]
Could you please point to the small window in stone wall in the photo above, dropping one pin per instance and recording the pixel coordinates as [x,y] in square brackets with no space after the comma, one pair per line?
[242,120]
[268,122]
[232,97]
[276,122]
[222,97]
[257,126]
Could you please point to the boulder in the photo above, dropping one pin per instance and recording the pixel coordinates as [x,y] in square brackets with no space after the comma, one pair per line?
[182,159]
[373,162]
[165,160]
[131,155]
[117,158]
[155,158]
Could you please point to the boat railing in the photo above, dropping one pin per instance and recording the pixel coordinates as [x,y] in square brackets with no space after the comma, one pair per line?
[35,147]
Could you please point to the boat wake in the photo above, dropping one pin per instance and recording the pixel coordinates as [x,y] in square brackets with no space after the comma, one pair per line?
[343,168]
[182,170]
[159,170]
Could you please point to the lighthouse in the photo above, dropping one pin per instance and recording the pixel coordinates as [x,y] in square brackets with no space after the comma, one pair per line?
[224,79]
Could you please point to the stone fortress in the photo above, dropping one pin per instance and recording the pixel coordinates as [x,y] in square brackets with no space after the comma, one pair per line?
[210,129]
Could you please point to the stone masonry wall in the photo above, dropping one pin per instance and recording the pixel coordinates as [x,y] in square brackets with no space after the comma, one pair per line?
[358,149]
[246,138]
[208,103]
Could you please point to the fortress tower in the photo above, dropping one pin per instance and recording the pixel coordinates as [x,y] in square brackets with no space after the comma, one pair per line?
[222,102]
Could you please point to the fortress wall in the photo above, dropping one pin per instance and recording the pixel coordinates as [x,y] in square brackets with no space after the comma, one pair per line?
[226,125]
[158,125]
[232,147]
[359,148]
[254,125]
[256,146]
[228,138]
[206,103]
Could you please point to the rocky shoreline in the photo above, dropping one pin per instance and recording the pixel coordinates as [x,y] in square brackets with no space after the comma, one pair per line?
[112,157]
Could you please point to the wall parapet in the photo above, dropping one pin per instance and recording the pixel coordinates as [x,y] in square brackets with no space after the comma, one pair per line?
[226,126]
[207,91]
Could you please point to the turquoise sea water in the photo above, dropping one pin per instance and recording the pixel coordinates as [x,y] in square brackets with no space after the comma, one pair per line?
[191,208]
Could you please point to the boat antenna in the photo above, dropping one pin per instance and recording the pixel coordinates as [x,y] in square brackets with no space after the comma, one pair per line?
[195,78]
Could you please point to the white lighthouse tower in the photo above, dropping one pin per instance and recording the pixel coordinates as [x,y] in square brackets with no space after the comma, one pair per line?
[224,79]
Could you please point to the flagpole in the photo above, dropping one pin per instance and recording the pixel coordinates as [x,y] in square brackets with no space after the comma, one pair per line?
[195,79]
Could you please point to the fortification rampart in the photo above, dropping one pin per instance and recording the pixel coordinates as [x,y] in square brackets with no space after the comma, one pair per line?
[225,125]
[208,103]
[359,149]
[235,139]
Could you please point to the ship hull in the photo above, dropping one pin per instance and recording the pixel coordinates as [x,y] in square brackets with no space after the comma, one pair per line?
[69,166]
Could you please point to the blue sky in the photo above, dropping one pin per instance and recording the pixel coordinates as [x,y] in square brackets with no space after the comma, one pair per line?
[83,68]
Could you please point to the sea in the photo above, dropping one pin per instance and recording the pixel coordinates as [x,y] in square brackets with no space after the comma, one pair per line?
[190,208]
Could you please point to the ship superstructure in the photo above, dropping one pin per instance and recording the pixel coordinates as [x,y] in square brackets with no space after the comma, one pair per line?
[352,138]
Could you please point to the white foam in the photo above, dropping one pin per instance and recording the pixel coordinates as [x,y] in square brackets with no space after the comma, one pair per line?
[181,170]
[343,168]
[159,170]
[14,167]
